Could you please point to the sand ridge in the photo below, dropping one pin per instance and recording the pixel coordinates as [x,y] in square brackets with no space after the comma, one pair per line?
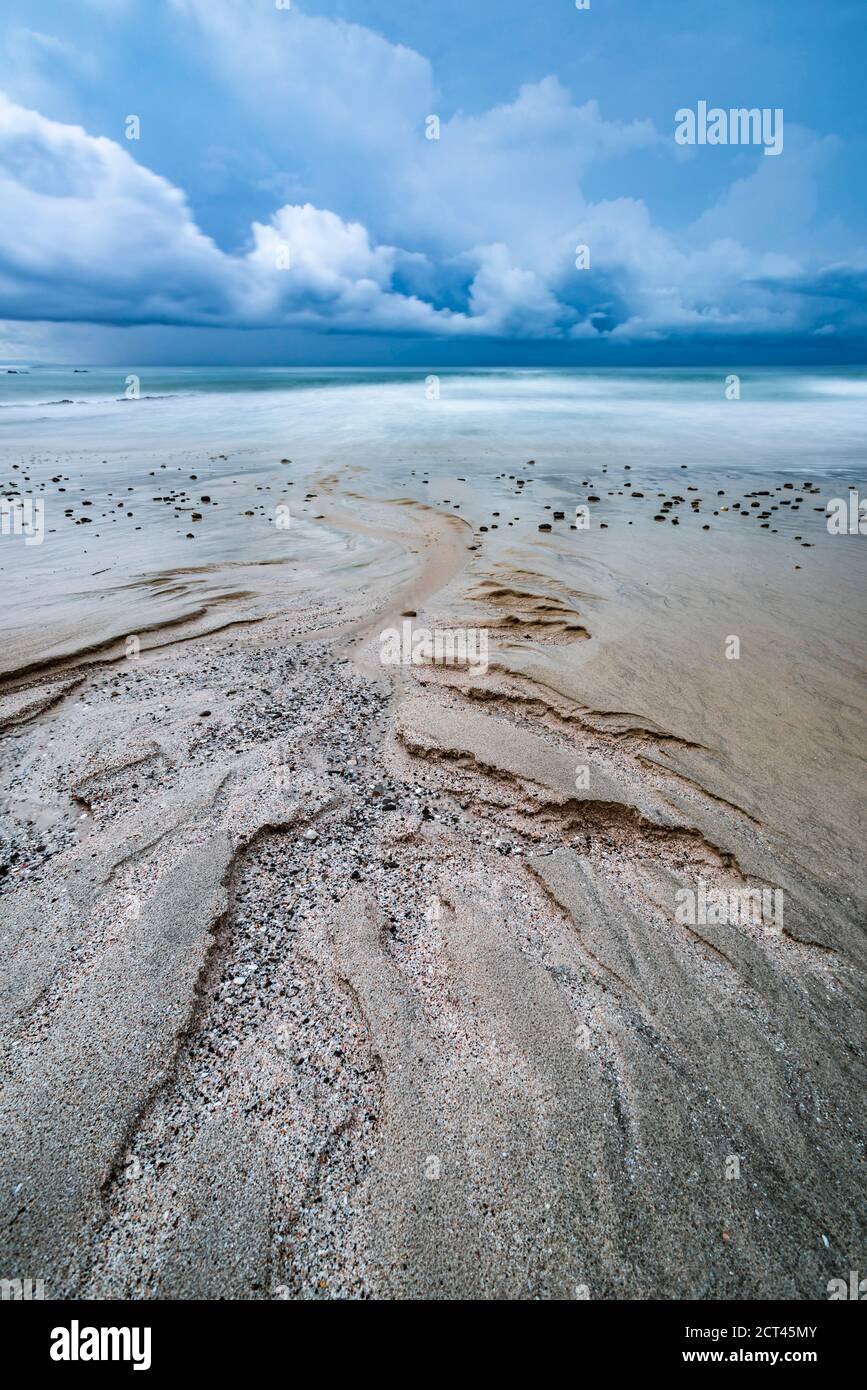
[327,981]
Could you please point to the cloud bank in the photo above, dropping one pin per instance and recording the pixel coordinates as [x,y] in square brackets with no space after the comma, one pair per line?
[473,234]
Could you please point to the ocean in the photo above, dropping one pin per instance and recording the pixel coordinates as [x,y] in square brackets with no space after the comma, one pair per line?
[798,419]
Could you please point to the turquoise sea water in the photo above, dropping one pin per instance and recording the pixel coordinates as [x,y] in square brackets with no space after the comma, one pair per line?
[797,419]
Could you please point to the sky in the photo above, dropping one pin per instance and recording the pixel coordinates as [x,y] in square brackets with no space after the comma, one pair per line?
[284,201]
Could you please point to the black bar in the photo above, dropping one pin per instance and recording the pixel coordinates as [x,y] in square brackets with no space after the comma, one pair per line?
[691,1338]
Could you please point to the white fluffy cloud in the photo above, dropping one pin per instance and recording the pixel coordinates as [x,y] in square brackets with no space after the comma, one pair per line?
[471,234]
[88,234]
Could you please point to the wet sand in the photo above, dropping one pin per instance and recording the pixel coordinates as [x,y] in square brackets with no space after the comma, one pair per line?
[329,979]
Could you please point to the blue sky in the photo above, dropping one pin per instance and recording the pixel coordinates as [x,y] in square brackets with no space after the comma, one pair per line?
[283,203]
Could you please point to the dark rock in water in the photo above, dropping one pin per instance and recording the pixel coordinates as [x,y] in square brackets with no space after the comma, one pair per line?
[544,526]
[559,516]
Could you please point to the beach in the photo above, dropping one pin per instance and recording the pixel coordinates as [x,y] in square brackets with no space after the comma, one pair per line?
[337,975]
